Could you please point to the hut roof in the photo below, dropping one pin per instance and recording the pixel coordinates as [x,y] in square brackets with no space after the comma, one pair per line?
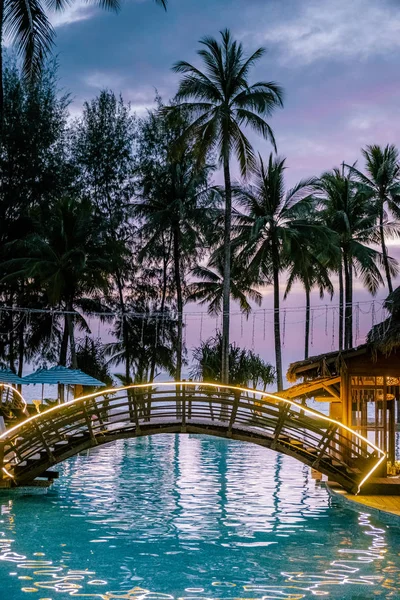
[323,365]
[385,337]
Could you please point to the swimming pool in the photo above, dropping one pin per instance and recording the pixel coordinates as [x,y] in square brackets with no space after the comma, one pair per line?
[190,517]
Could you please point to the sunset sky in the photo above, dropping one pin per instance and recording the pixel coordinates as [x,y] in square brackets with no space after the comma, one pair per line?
[337,61]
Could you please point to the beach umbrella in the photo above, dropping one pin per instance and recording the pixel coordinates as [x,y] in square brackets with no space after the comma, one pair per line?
[63,376]
[7,376]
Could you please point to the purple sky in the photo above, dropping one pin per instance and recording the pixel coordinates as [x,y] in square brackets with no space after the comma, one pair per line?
[337,61]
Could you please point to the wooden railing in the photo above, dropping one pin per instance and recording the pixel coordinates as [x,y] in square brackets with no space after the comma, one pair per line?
[28,450]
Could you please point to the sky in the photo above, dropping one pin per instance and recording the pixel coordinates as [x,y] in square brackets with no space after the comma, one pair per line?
[337,61]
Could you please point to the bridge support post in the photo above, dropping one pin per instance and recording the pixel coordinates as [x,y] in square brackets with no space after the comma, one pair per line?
[330,434]
[235,406]
[133,409]
[183,428]
[44,442]
[89,426]
[284,411]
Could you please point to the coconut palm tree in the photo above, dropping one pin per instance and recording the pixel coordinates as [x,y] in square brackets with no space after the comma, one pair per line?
[26,24]
[271,221]
[221,103]
[309,267]
[211,287]
[175,201]
[382,182]
[348,211]
[66,259]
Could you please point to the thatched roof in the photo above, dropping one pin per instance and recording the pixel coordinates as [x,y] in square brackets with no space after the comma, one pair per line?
[323,365]
[385,337]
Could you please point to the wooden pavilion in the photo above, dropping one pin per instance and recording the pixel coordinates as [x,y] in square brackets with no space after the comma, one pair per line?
[362,387]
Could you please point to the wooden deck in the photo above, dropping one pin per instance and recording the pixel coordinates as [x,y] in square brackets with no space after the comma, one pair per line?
[386,508]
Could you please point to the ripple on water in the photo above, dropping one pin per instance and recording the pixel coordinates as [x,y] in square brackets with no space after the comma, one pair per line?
[191,517]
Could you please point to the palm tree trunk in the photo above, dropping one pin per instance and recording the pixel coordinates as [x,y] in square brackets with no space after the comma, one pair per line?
[1,64]
[384,250]
[227,273]
[179,301]
[64,344]
[350,301]
[72,347]
[277,324]
[11,353]
[348,325]
[21,348]
[307,335]
[341,302]
[125,331]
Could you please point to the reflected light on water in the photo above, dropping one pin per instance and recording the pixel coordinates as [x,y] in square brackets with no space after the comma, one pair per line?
[190,517]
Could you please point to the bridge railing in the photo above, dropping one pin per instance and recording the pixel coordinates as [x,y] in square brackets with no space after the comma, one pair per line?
[221,410]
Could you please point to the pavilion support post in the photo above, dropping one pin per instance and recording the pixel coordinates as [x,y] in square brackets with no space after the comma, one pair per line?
[2,444]
[392,431]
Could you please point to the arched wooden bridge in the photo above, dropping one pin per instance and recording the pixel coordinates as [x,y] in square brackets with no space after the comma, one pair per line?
[30,449]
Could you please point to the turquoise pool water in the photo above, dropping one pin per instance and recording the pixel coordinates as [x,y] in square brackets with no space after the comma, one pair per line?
[187,517]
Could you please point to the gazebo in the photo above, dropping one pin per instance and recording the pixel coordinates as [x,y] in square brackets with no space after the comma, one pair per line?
[62,376]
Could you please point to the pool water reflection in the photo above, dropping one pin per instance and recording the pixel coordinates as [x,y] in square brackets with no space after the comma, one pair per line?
[191,517]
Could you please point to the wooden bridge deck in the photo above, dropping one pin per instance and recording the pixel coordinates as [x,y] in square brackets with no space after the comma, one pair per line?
[29,450]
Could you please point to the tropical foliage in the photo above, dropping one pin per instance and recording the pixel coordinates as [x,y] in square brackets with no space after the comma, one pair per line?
[111,224]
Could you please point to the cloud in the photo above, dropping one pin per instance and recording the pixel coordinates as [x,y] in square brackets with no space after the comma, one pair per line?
[140,98]
[340,29]
[79,11]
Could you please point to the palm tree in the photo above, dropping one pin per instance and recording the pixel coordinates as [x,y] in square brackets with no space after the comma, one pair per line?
[211,287]
[67,260]
[347,210]
[382,182]
[175,203]
[148,338]
[221,101]
[27,26]
[272,220]
[311,270]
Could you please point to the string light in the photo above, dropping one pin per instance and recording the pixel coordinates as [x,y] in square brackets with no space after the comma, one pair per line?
[144,315]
